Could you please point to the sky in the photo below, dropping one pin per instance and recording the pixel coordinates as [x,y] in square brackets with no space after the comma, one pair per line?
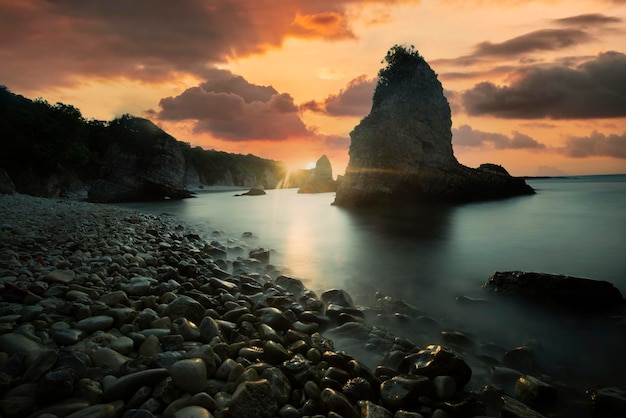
[536,86]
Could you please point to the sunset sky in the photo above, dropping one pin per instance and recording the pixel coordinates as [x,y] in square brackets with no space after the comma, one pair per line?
[537,86]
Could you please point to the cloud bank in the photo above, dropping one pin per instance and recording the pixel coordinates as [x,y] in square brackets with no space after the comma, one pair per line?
[229,107]
[466,136]
[152,40]
[594,89]
[354,100]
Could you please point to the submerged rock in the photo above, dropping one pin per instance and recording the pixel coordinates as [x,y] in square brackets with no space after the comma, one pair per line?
[402,151]
[557,290]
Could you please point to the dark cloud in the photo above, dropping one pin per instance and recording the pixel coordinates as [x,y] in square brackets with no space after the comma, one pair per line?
[56,42]
[466,136]
[541,40]
[596,145]
[590,19]
[354,100]
[230,108]
[593,89]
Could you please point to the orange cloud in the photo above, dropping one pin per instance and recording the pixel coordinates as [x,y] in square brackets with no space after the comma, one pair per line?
[57,43]
[329,25]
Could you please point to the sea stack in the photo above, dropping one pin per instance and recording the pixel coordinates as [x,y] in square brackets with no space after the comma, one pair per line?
[321,178]
[401,153]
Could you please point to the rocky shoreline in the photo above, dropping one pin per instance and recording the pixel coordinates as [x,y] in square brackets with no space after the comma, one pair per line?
[108,312]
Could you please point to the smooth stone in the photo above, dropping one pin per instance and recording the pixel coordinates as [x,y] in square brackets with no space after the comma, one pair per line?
[289,411]
[69,336]
[187,329]
[150,346]
[60,276]
[95,323]
[108,358]
[437,361]
[337,297]
[253,399]
[138,286]
[114,298]
[12,343]
[77,296]
[123,345]
[273,317]
[193,411]
[126,386]
[189,375]
[185,307]
[106,410]
[332,400]
[204,400]
[401,392]
[445,387]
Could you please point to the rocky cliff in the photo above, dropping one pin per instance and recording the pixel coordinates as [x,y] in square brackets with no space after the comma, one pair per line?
[321,178]
[52,151]
[402,151]
[156,172]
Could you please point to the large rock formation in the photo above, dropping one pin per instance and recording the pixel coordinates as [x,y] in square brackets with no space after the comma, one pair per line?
[155,173]
[321,178]
[402,151]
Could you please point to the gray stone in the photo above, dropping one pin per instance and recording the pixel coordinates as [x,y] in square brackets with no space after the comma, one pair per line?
[402,392]
[185,307]
[193,411]
[95,411]
[95,323]
[108,358]
[435,360]
[60,276]
[12,343]
[124,387]
[190,375]
[253,400]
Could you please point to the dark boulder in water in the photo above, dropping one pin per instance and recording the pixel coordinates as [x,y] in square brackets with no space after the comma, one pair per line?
[402,151]
[558,290]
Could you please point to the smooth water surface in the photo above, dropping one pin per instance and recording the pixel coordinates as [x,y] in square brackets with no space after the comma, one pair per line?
[428,256]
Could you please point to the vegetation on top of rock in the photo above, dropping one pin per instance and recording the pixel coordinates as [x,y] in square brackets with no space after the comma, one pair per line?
[401,62]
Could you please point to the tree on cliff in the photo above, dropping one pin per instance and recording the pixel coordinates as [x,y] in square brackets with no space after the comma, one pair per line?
[401,62]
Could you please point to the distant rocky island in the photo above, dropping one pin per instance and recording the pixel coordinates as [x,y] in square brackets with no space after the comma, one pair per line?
[402,151]
[321,178]
[52,151]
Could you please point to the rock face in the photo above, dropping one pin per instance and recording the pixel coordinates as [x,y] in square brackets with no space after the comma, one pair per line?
[557,290]
[155,173]
[402,151]
[321,178]
[6,184]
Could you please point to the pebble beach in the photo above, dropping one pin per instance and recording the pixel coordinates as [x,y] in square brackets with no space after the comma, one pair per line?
[108,312]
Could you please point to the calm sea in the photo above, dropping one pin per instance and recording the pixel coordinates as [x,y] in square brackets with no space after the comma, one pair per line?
[429,256]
